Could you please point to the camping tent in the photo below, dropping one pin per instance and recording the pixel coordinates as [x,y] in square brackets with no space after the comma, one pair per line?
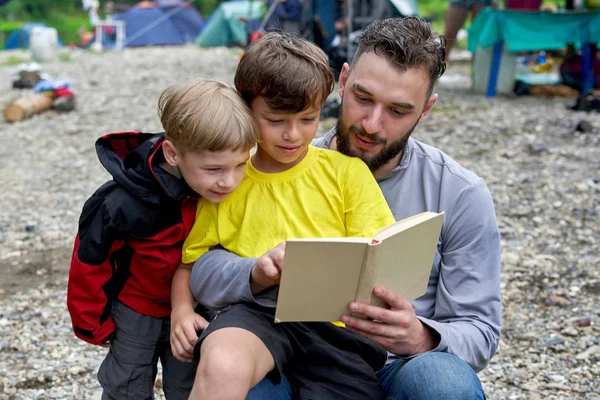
[224,27]
[19,38]
[161,23]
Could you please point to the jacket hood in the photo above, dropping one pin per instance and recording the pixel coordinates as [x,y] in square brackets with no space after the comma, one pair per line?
[133,159]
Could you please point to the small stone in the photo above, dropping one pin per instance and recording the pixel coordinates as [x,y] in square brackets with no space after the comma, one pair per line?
[570,331]
[553,340]
[530,386]
[583,322]
[538,148]
[558,301]
[556,386]
[593,288]
[588,353]
[76,370]
[584,126]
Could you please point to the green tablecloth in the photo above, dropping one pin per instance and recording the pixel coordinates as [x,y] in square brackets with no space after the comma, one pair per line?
[530,30]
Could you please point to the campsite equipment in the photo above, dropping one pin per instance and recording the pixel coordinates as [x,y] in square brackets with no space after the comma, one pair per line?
[29,74]
[19,38]
[480,76]
[226,26]
[359,14]
[534,31]
[166,23]
[256,34]
[43,43]
[27,106]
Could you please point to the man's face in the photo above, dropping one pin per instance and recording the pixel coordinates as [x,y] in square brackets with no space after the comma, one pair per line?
[381,106]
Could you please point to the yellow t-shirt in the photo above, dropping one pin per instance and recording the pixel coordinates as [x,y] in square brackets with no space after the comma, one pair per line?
[327,194]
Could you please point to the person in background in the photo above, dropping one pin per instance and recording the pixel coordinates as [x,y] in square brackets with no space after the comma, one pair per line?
[456,16]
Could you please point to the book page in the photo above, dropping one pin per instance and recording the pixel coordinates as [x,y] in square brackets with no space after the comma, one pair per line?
[319,279]
[406,223]
[340,239]
[406,257]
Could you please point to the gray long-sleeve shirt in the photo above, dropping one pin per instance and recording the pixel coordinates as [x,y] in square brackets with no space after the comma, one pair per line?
[462,302]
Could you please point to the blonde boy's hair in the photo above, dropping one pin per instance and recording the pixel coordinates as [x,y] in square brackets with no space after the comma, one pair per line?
[206,115]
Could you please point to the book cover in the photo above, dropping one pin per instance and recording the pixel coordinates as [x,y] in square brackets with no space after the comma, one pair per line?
[320,277]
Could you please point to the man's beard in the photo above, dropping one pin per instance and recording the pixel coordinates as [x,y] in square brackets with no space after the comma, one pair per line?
[388,153]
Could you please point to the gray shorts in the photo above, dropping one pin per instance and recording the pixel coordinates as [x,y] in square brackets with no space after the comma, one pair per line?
[129,370]
[470,4]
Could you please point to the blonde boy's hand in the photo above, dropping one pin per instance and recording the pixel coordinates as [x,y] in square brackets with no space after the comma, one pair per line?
[184,326]
[266,271]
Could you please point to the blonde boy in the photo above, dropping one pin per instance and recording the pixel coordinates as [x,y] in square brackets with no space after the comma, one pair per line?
[131,230]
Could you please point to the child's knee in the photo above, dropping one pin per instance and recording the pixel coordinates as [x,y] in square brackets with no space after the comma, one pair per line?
[233,354]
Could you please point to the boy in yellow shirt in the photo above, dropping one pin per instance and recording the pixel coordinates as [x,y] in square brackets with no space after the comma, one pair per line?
[290,190]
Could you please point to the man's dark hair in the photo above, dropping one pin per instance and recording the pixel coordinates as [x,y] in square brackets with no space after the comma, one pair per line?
[291,73]
[406,43]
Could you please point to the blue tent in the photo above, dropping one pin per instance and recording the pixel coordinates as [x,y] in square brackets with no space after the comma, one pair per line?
[19,38]
[158,26]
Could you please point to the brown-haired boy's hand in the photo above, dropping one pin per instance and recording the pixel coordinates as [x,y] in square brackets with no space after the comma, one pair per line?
[185,324]
[266,271]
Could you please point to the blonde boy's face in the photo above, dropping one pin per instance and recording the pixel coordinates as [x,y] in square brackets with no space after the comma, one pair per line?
[284,137]
[213,175]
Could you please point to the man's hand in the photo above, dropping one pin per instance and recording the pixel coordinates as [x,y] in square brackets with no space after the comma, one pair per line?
[266,271]
[184,325]
[398,330]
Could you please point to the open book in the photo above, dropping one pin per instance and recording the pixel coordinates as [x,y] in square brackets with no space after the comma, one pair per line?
[321,277]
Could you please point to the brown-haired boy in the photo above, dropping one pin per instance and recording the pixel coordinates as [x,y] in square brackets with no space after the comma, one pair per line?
[131,230]
[290,190]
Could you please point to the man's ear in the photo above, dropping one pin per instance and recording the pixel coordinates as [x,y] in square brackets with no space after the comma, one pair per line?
[430,103]
[170,152]
[343,79]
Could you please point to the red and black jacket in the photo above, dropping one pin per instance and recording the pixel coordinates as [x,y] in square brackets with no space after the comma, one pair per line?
[130,236]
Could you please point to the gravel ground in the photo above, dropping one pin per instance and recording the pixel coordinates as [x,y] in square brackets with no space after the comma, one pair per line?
[543,174]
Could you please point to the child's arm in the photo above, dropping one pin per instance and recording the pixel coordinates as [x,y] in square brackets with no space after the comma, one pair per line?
[89,299]
[266,271]
[185,323]
[220,278]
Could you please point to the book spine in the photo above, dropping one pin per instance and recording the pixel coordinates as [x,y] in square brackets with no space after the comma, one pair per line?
[366,282]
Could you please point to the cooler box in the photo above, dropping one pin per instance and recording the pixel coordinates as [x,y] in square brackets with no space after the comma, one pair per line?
[482,61]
